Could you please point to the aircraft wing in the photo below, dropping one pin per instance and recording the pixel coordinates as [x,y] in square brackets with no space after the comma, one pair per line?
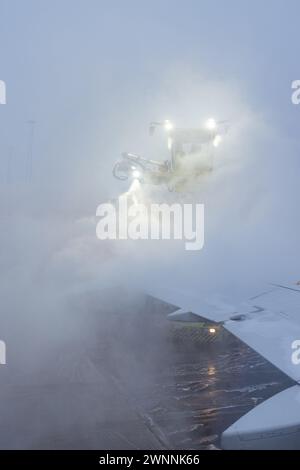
[269,323]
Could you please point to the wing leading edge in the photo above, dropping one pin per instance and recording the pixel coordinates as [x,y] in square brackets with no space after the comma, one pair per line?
[270,324]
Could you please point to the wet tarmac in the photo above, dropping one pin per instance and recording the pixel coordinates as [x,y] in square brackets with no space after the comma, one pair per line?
[129,385]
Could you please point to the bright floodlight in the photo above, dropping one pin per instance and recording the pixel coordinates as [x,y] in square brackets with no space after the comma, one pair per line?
[136,174]
[217,140]
[211,124]
[168,125]
[212,331]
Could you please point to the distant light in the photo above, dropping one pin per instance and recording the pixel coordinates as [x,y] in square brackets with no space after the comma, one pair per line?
[212,331]
[217,140]
[168,125]
[136,174]
[211,124]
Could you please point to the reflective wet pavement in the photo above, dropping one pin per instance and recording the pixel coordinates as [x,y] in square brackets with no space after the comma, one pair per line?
[192,390]
[126,384]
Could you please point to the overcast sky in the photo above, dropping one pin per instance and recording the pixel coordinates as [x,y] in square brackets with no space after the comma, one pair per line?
[93,73]
[76,66]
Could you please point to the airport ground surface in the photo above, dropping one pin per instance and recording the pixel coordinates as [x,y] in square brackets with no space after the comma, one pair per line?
[130,385]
